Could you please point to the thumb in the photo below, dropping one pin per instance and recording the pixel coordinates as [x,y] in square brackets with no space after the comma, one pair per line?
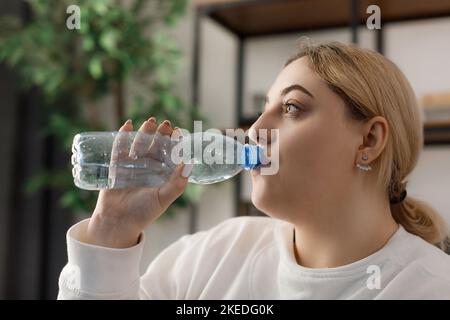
[176,185]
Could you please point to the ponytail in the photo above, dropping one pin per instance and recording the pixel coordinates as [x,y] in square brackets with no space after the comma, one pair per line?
[419,218]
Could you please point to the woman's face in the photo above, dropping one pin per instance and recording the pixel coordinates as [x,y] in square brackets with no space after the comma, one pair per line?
[317,141]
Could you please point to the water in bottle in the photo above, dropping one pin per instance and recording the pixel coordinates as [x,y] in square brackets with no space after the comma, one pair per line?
[105,160]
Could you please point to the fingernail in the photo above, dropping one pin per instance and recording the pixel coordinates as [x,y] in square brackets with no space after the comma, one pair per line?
[152,119]
[167,122]
[129,121]
[150,122]
[175,128]
[187,170]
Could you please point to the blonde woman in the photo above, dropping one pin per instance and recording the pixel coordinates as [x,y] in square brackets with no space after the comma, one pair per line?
[341,223]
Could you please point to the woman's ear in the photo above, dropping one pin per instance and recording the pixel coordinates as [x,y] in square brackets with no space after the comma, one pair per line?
[375,134]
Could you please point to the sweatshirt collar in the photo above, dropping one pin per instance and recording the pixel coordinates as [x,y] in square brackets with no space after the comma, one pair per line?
[284,241]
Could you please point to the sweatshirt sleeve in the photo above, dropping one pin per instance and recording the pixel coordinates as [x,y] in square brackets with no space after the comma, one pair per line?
[95,272]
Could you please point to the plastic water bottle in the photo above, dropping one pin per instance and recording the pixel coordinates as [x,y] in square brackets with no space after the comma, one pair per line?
[102,160]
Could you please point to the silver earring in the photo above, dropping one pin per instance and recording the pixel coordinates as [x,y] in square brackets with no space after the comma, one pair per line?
[363,167]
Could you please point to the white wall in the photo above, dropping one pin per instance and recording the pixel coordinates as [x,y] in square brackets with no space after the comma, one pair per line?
[217,75]
[430,180]
[217,104]
[421,49]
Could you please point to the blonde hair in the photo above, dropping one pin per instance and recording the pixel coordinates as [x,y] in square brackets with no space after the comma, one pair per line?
[371,85]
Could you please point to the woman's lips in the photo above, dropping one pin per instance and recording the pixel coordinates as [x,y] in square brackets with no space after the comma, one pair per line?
[265,165]
[258,169]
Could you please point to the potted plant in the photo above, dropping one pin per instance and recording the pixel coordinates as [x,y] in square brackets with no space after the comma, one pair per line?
[120,53]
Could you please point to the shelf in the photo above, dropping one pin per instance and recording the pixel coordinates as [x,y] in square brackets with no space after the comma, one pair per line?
[437,124]
[248,18]
[437,132]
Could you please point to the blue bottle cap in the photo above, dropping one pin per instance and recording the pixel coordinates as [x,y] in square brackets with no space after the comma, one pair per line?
[251,156]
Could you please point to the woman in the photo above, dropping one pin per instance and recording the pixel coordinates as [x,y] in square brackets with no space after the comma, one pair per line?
[341,226]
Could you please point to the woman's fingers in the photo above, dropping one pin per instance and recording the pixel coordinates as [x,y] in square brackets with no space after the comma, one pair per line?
[177,134]
[161,140]
[120,145]
[176,185]
[143,139]
[165,128]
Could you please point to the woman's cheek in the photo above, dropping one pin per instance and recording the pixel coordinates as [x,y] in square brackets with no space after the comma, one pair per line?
[303,156]
[301,146]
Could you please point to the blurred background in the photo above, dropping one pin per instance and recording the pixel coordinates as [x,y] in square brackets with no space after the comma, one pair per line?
[182,60]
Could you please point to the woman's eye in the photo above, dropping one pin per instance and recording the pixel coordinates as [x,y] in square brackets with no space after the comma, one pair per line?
[292,109]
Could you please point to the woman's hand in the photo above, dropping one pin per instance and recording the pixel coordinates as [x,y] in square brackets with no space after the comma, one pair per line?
[122,214]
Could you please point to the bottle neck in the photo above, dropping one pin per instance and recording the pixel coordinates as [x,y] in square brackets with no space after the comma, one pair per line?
[251,157]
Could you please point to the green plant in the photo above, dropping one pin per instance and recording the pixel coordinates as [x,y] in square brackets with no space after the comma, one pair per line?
[121,51]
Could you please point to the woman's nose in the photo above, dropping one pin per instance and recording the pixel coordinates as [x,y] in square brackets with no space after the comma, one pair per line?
[260,131]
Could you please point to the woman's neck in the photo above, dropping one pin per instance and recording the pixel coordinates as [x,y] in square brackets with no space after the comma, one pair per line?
[343,235]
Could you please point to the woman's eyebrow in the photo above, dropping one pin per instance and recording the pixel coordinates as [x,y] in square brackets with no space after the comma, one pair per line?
[296,87]
[286,90]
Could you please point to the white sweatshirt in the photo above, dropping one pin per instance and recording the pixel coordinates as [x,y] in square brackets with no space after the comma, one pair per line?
[251,258]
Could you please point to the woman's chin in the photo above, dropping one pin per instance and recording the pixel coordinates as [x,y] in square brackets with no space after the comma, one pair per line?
[261,199]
